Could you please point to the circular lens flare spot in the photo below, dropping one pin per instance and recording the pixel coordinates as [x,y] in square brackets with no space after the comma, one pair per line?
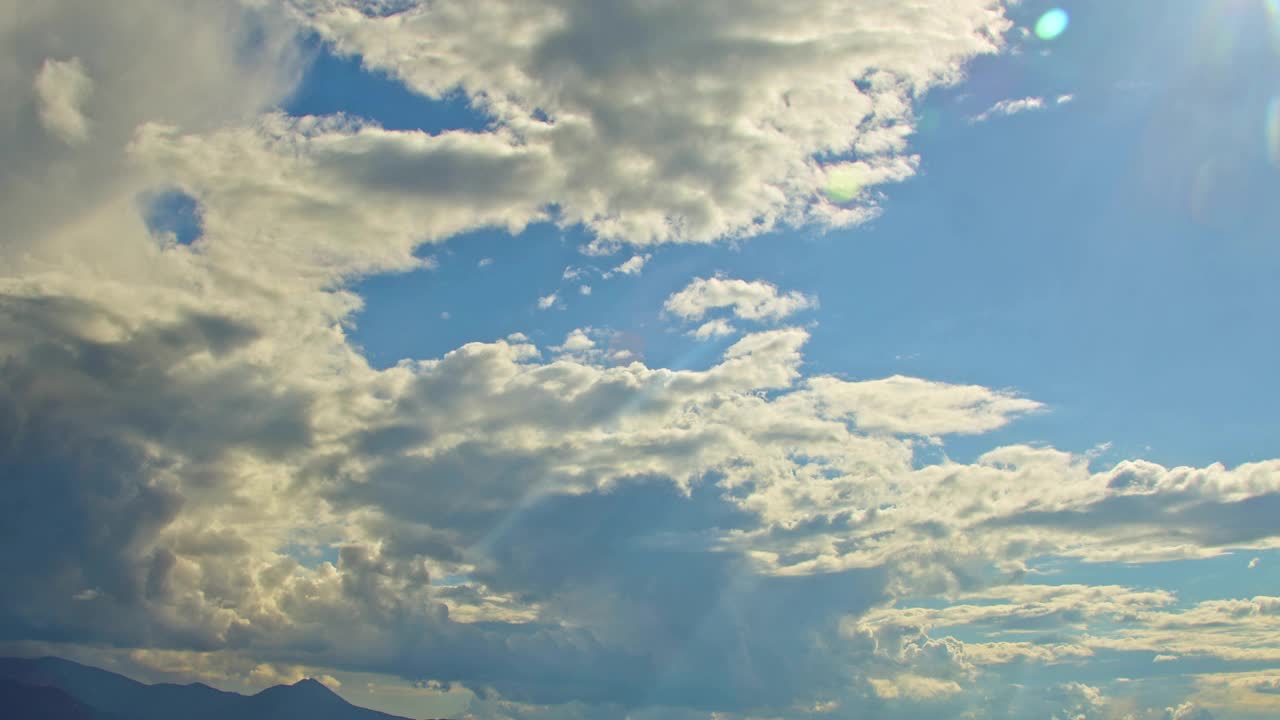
[844,183]
[1052,24]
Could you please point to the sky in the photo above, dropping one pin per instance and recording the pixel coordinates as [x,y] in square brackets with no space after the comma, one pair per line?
[642,359]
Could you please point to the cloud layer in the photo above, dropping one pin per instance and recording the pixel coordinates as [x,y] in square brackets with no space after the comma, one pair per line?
[202,469]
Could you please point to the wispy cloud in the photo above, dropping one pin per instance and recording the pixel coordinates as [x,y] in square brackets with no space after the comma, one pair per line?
[1005,108]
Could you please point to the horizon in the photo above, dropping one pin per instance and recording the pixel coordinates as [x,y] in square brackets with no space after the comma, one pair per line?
[663,360]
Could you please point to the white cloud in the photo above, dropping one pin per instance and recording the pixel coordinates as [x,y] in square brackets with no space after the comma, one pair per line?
[1188,711]
[917,687]
[713,329]
[1013,107]
[623,525]
[762,91]
[1083,702]
[1248,693]
[578,341]
[234,61]
[584,289]
[62,88]
[339,197]
[484,262]
[910,405]
[633,266]
[749,300]
[1085,622]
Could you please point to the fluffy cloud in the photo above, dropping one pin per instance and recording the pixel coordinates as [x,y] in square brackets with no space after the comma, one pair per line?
[202,466]
[64,61]
[1082,702]
[1142,623]
[908,405]
[337,197]
[62,88]
[713,328]
[672,121]
[1188,711]
[749,300]
[633,266]
[388,466]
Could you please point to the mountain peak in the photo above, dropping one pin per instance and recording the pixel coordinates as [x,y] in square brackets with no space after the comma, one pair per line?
[313,685]
[308,691]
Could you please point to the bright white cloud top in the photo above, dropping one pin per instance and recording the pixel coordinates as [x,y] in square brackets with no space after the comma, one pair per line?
[599,513]
[748,300]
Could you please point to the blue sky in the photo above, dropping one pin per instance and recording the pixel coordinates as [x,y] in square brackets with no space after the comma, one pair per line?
[500,361]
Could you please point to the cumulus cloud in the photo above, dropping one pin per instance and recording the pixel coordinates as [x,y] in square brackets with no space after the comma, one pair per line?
[512,449]
[1188,711]
[907,405]
[62,88]
[232,486]
[578,341]
[749,300]
[1082,702]
[713,329]
[713,124]
[1143,622]
[632,266]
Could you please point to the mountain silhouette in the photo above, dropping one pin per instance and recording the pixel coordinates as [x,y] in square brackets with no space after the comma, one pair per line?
[51,688]
[41,702]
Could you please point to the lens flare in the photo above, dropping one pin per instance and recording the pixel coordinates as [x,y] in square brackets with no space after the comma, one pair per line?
[1273,10]
[1273,131]
[844,183]
[1052,24]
